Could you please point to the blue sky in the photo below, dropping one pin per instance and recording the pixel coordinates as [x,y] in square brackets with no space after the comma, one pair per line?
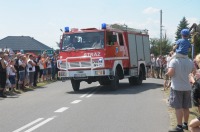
[43,19]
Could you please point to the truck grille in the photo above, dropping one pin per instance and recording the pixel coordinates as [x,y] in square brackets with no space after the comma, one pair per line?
[63,65]
[79,64]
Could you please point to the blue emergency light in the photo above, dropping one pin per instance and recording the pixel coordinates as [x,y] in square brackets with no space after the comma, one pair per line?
[103,25]
[66,29]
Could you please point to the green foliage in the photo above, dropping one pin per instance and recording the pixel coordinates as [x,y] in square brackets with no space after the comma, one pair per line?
[156,44]
[197,44]
[183,24]
[196,40]
[155,49]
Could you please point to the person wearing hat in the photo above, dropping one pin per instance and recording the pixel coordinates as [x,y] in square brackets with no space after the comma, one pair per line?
[182,45]
[179,69]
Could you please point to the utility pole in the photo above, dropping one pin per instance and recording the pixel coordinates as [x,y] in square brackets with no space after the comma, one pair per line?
[160,32]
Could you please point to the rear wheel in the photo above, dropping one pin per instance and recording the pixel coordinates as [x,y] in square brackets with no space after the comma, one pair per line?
[115,81]
[139,79]
[75,84]
[136,80]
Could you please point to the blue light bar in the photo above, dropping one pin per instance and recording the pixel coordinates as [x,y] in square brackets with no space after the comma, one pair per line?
[66,29]
[103,25]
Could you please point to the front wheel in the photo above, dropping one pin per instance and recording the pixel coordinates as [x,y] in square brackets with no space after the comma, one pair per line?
[75,84]
[104,82]
[115,81]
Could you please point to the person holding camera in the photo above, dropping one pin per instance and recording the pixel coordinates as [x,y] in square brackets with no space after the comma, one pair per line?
[31,70]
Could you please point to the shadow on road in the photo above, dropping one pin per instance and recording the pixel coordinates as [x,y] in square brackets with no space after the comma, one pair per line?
[124,88]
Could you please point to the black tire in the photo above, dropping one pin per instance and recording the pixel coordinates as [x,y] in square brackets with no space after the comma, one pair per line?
[115,81]
[75,84]
[105,82]
[131,80]
[139,79]
[136,80]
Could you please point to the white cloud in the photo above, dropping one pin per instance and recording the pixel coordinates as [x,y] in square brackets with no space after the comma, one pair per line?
[150,10]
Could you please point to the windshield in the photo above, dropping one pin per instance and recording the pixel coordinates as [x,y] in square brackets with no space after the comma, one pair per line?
[81,41]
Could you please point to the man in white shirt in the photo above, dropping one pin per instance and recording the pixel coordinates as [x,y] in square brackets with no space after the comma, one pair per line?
[158,66]
[31,70]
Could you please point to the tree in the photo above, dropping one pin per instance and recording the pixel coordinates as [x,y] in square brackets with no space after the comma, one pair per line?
[155,46]
[196,41]
[183,24]
[154,42]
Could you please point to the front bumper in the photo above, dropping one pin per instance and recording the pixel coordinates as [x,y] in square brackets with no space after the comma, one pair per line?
[84,73]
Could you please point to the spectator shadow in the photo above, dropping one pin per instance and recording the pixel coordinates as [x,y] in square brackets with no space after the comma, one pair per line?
[1,98]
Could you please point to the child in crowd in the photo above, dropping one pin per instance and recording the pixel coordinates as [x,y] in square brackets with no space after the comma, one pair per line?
[183,45]
[195,125]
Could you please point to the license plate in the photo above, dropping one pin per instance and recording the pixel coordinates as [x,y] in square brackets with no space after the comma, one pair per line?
[80,75]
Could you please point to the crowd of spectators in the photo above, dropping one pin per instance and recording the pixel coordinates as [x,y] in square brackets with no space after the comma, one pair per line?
[19,72]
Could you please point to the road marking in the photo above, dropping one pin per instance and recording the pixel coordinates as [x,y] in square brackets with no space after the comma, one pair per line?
[76,101]
[62,109]
[84,95]
[30,124]
[91,94]
[40,124]
[87,93]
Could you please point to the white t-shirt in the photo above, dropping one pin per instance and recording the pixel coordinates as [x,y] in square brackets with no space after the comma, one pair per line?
[10,71]
[49,64]
[182,67]
[20,62]
[153,61]
[41,64]
[158,62]
[29,66]
[168,60]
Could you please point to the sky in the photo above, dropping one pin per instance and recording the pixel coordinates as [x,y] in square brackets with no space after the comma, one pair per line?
[43,19]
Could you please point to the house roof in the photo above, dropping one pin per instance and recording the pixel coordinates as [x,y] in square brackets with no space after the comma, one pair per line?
[22,42]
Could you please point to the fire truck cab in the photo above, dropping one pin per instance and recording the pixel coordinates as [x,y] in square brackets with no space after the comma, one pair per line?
[106,55]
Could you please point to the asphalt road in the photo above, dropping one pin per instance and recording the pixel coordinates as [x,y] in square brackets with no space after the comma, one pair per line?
[56,108]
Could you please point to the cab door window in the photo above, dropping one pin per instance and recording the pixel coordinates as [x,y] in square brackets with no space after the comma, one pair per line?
[121,40]
[111,38]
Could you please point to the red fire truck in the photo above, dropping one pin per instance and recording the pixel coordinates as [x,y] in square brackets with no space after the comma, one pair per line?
[106,55]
